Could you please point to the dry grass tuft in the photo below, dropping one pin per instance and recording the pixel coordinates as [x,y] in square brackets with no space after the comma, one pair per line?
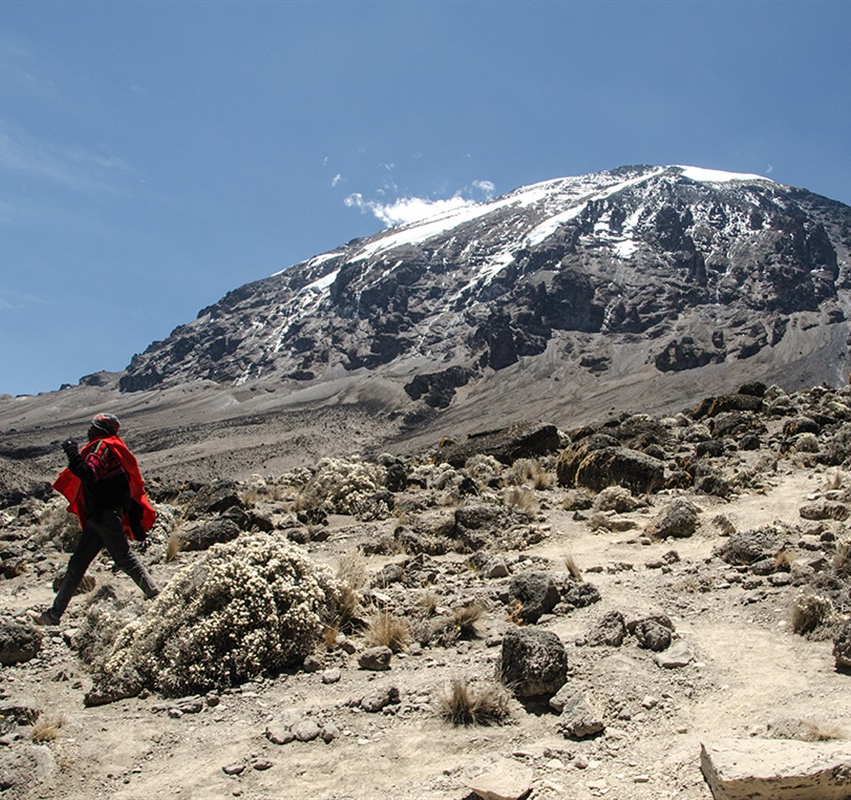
[783,561]
[388,630]
[810,612]
[352,569]
[572,567]
[834,480]
[521,500]
[172,547]
[529,472]
[822,732]
[465,618]
[329,636]
[478,704]
[47,729]
[428,601]
[842,556]
[352,575]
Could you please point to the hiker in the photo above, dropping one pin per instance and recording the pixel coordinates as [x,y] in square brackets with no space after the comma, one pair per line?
[105,490]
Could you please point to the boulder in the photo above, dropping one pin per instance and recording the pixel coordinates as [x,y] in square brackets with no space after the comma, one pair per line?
[678,519]
[18,643]
[375,659]
[531,595]
[506,445]
[597,462]
[579,718]
[501,779]
[533,663]
[776,769]
[842,647]
[652,633]
[748,547]
[379,698]
[214,498]
[610,631]
[203,535]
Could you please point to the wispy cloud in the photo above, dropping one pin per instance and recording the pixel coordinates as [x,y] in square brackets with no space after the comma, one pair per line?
[73,168]
[404,210]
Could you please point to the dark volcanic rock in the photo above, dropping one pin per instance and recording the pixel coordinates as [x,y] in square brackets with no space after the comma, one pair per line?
[18,643]
[533,662]
[531,595]
[525,440]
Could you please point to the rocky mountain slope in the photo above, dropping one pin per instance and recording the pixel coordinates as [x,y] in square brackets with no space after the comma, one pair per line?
[658,270]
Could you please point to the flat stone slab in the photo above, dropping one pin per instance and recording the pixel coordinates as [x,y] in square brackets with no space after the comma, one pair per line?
[502,779]
[777,769]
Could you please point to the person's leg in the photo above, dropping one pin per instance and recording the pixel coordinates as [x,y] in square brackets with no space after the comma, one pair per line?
[112,535]
[88,546]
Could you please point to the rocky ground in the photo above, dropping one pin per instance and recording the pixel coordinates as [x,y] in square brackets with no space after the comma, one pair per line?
[707,600]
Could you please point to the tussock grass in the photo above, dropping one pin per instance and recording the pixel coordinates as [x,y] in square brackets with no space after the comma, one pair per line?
[842,556]
[428,601]
[834,480]
[809,612]
[388,630]
[571,566]
[352,575]
[172,549]
[463,703]
[522,500]
[47,729]
[465,619]
[783,561]
[528,472]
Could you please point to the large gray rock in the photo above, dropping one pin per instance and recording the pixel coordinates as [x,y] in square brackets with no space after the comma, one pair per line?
[597,462]
[507,445]
[500,779]
[678,519]
[842,647]
[531,595]
[18,643]
[203,535]
[776,769]
[214,498]
[533,662]
[579,718]
[610,631]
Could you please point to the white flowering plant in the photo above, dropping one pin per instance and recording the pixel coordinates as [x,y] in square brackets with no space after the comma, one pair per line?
[254,605]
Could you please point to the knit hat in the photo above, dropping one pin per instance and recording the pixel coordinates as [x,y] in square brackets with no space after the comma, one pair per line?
[108,423]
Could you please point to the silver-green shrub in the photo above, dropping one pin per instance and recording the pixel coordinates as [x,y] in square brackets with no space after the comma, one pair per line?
[349,487]
[256,604]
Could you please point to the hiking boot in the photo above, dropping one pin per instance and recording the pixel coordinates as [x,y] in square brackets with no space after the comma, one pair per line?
[48,617]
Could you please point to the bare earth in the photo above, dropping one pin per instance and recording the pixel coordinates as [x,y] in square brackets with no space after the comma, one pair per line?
[750,672]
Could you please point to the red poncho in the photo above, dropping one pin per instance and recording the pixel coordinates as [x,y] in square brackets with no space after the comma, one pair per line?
[71,487]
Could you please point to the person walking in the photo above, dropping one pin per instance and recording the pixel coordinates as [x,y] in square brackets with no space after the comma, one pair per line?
[104,488]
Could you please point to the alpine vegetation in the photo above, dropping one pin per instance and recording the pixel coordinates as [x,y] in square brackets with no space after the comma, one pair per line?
[253,605]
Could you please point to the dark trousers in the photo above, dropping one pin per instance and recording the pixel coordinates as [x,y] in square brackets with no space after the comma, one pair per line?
[98,533]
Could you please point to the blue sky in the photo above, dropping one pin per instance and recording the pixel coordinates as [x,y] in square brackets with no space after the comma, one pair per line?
[154,156]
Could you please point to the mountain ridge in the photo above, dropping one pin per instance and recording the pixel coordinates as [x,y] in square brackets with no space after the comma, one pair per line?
[633,251]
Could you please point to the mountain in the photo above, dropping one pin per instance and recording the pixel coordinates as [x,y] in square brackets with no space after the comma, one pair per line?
[593,280]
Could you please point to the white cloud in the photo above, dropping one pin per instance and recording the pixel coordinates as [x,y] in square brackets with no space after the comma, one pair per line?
[487,188]
[336,179]
[406,209]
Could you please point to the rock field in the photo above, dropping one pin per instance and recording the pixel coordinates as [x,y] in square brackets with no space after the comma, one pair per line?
[601,612]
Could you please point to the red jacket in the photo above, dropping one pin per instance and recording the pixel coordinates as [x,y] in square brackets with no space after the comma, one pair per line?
[70,486]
